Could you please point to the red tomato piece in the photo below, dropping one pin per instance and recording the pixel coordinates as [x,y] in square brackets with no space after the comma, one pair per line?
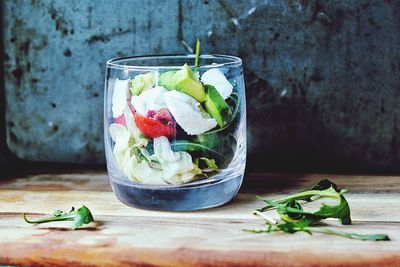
[151,127]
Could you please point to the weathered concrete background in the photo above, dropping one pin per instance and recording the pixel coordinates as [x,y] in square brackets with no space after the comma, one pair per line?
[323,77]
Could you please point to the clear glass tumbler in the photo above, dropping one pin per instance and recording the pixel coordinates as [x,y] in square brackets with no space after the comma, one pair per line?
[175,133]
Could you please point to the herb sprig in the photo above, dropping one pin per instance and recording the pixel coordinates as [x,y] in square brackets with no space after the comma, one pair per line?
[294,219]
[79,217]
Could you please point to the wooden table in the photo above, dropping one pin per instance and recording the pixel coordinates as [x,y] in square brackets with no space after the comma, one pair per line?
[126,236]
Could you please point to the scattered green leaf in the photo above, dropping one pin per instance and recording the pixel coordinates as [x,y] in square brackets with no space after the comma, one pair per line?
[340,211]
[79,217]
[294,219]
[293,228]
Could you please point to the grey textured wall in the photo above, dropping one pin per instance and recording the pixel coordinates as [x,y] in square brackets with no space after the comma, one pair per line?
[323,77]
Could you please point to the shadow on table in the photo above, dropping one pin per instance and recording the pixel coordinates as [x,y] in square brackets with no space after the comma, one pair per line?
[261,183]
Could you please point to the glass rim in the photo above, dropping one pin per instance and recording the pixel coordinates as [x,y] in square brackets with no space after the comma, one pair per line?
[113,63]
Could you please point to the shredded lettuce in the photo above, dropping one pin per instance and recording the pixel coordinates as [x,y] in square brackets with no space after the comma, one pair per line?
[164,166]
[137,138]
[145,174]
[178,166]
[120,135]
[131,156]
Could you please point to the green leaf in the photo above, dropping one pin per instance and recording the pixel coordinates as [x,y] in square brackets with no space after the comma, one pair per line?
[184,145]
[206,164]
[317,190]
[340,211]
[294,219]
[79,217]
[82,216]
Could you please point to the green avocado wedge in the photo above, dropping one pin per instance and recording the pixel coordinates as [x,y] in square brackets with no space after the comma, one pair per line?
[166,79]
[185,81]
[216,106]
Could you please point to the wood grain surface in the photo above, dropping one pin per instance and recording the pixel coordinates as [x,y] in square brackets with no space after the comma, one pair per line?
[124,236]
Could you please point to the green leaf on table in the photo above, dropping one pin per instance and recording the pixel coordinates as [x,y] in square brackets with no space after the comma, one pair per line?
[341,210]
[82,216]
[293,218]
[324,188]
[79,217]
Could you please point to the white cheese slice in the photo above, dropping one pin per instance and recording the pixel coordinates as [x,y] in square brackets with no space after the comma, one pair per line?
[120,97]
[216,78]
[151,99]
[187,113]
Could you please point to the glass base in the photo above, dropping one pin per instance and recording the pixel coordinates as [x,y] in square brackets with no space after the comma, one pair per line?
[191,197]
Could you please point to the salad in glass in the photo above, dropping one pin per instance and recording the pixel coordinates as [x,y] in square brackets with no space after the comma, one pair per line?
[169,126]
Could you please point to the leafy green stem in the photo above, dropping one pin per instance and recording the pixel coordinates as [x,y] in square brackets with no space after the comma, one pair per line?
[306,195]
[196,62]
[290,228]
[373,237]
[68,217]
[294,219]
[310,230]
[79,217]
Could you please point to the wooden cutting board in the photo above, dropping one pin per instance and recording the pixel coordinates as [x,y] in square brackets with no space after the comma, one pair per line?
[125,236]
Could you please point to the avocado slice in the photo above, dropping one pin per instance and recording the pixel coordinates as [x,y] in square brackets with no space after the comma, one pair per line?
[185,81]
[166,79]
[141,82]
[216,106]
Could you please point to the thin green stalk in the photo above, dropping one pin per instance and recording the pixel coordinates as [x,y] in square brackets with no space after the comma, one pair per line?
[196,62]
[300,196]
[373,237]
[79,217]
[69,217]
